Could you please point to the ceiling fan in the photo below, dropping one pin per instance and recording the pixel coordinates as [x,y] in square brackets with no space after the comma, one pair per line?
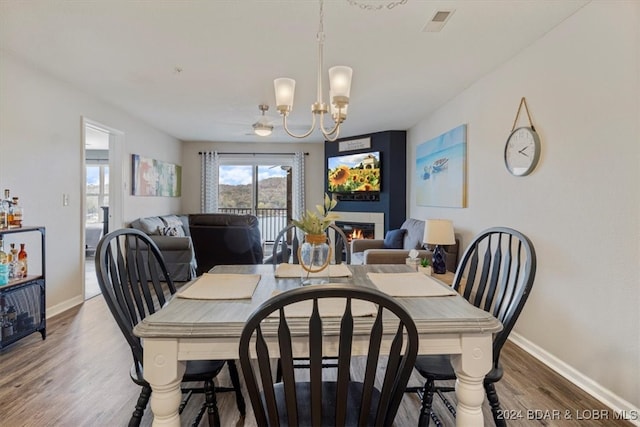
[263,126]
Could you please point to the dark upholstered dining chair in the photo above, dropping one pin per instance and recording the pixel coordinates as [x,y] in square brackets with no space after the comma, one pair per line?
[319,401]
[287,242]
[285,250]
[496,274]
[133,287]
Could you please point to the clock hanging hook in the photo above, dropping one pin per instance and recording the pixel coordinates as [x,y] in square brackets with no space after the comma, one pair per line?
[523,101]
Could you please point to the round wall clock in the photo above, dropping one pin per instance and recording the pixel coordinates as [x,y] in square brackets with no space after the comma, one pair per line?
[522,151]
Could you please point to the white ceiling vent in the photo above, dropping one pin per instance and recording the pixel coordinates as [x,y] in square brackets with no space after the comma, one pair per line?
[436,23]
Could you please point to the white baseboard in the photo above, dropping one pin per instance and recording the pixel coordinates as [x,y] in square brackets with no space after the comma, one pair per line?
[608,398]
[64,306]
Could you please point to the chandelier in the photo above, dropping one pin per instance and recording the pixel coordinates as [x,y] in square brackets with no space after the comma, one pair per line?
[339,88]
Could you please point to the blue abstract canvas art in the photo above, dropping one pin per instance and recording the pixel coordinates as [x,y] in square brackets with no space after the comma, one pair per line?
[441,168]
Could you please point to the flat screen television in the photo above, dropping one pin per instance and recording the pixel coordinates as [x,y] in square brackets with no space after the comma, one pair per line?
[354,173]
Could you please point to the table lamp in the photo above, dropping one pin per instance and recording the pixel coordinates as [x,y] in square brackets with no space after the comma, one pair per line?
[439,232]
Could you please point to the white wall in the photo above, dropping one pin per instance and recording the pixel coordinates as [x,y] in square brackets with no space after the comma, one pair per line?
[41,158]
[314,167]
[581,206]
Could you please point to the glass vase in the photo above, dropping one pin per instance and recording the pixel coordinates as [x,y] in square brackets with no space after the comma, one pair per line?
[314,256]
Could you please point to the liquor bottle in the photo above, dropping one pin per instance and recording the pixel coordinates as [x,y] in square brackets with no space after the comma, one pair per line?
[4,210]
[16,210]
[4,265]
[3,215]
[22,259]
[3,254]
[12,257]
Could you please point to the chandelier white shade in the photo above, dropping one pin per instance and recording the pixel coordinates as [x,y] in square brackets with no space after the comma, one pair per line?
[285,89]
[339,92]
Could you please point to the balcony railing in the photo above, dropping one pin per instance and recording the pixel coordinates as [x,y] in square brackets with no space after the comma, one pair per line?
[271,220]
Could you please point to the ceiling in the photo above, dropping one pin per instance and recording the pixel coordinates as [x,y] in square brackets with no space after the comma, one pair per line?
[197,70]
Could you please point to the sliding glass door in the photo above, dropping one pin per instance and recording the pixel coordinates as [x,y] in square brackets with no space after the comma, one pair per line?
[263,190]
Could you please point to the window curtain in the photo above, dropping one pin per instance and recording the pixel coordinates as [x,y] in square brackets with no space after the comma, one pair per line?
[298,207]
[209,170]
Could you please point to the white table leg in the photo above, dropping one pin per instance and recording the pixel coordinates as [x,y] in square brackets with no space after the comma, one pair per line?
[471,366]
[163,372]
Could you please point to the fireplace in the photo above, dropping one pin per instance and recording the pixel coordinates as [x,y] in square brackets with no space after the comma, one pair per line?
[357,230]
[372,219]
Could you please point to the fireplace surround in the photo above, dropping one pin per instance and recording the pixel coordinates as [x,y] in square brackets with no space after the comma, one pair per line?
[388,211]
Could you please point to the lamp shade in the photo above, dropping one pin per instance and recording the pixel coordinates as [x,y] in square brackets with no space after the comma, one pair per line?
[262,130]
[340,80]
[285,89]
[439,232]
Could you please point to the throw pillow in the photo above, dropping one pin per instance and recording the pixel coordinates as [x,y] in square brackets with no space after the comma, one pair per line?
[174,222]
[168,231]
[394,239]
[151,225]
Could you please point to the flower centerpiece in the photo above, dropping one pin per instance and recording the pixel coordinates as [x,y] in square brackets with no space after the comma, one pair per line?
[317,223]
[314,254]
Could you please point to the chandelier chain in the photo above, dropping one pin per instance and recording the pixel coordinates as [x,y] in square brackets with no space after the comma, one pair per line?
[320,35]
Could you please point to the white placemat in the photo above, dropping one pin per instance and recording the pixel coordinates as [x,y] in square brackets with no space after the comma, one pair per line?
[409,285]
[295,270]
[328,307]
[221,286]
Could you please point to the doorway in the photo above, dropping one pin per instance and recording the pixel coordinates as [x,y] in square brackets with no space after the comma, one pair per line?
[101,194]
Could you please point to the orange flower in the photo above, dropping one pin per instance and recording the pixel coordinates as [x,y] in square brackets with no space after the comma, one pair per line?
[366,187]
[339,176]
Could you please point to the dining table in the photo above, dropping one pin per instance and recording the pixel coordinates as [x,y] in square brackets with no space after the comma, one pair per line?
[203,321]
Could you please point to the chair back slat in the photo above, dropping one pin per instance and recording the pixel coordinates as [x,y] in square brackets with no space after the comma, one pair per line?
[371,367]
[122,281]
[138,283]
[484,276]
[376,406]
[494,278]
[499,284]
[344,363]
[262,352]
[391,375]
[288,376]
[315,363]
[506,284]
[470,274]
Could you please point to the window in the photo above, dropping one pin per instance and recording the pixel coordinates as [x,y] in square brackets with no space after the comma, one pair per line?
[97,188]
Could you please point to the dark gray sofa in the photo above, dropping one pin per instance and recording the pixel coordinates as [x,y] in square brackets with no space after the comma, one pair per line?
[193,244]
[172,236]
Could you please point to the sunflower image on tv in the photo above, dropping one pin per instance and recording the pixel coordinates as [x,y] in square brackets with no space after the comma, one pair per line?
[354,173]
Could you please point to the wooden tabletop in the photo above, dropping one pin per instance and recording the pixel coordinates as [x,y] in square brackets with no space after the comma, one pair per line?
[185,318]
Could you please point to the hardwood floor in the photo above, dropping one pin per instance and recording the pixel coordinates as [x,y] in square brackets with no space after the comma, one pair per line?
[79,376]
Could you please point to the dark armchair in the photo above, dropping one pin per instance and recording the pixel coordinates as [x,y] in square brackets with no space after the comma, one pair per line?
[225,239]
